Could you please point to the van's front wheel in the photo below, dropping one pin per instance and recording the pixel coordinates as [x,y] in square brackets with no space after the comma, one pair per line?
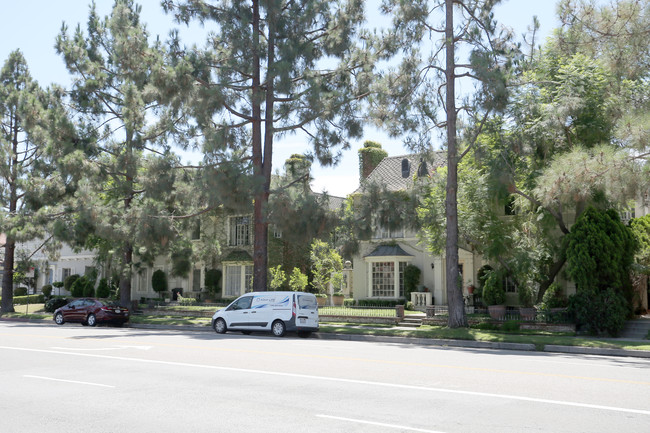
[278,328]
[220,326]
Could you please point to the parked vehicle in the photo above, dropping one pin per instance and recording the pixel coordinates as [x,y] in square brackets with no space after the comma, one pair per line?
[90,312]
[277,312]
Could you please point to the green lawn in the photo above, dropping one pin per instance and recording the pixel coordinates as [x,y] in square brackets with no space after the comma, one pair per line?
[538,338]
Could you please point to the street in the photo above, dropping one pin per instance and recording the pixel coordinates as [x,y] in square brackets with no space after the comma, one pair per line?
[81,379]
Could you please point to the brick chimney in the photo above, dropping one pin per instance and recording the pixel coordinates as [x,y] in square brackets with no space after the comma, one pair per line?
[370,155]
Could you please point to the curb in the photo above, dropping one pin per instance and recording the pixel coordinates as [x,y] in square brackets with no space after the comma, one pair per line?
[469,344]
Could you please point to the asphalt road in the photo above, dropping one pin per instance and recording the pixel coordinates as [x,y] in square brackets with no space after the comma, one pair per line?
[79,379]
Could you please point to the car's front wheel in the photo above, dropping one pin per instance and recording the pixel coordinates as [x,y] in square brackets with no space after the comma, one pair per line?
[91,320]
[58,319]
[278,328]
[220,326]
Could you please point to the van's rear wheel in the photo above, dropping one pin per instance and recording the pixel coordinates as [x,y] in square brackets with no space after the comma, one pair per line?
[278,328]
[220,326]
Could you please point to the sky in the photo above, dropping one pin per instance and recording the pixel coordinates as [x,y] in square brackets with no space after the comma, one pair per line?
[32,27]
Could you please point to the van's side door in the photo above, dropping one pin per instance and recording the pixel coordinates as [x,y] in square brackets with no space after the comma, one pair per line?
[238,314]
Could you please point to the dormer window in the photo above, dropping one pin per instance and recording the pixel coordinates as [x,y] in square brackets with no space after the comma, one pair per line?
[406,168]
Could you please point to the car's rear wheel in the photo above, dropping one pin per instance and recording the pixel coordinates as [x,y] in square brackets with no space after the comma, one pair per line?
[58,319]
[278,328]
[91,320]
[220,326]
[304,334]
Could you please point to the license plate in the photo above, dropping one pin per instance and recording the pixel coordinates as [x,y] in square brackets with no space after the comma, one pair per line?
[118,311]
[303,320]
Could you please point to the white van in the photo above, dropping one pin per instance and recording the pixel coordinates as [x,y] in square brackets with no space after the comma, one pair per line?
[277,312]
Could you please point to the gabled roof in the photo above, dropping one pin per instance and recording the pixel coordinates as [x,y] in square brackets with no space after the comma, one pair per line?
[388,251]
[390,174]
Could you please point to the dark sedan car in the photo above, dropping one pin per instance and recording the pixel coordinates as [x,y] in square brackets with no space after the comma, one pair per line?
[91,312]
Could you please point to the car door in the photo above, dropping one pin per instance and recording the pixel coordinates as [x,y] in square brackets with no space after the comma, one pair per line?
[73,312]
[238,314]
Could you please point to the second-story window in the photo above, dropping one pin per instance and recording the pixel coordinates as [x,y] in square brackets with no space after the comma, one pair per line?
[240,231]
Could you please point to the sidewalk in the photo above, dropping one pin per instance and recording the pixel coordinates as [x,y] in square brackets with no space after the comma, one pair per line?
[403,340]
[437,342]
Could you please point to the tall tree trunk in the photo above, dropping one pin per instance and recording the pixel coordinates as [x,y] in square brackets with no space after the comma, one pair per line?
[125,277]
[261,197]
[7,277]
[457,317]
[7,305]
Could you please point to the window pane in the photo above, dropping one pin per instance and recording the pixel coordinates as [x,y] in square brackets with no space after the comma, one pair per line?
[248,278]
[196,280]
[383,279]
[239,231]
[402,265]
[233,280]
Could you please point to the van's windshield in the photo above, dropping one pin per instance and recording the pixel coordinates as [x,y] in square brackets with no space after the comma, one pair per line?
[307,302]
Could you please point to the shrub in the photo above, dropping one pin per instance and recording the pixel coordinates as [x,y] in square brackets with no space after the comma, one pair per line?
[47,290]
[278,277]
[69,281]
[159,281]
[526,296]
[511,326]
[89,288]
[380,303]
[486,326]
[29,299]
[553,297]
[212,280]
[599,312]
[493,291]
[54,303]
[103,289]
[186,301]
[482,275]
[411,279]
[20,291]
[297,280]
[349,302]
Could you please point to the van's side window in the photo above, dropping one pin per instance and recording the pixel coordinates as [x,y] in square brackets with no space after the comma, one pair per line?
[242,303]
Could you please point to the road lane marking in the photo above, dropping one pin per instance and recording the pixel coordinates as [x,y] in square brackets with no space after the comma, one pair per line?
[68,381]
[341,380]
[379,424]
[86,349]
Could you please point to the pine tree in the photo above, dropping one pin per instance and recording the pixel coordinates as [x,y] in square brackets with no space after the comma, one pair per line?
[420,95]
[38,146]
[123,93]
[273,68]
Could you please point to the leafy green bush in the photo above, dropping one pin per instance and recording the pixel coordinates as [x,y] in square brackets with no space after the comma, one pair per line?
[103,289]
[554,298]
[511,326]
[411,279]
[186,301]
[349,302]
[159,281]
[486,326]
[599,312]
[69,281]
[297,280]
[493,291]
[29,299]
[20,291]
[47,290]
[83,286]
[212,280]
[380,302]
[54,303]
